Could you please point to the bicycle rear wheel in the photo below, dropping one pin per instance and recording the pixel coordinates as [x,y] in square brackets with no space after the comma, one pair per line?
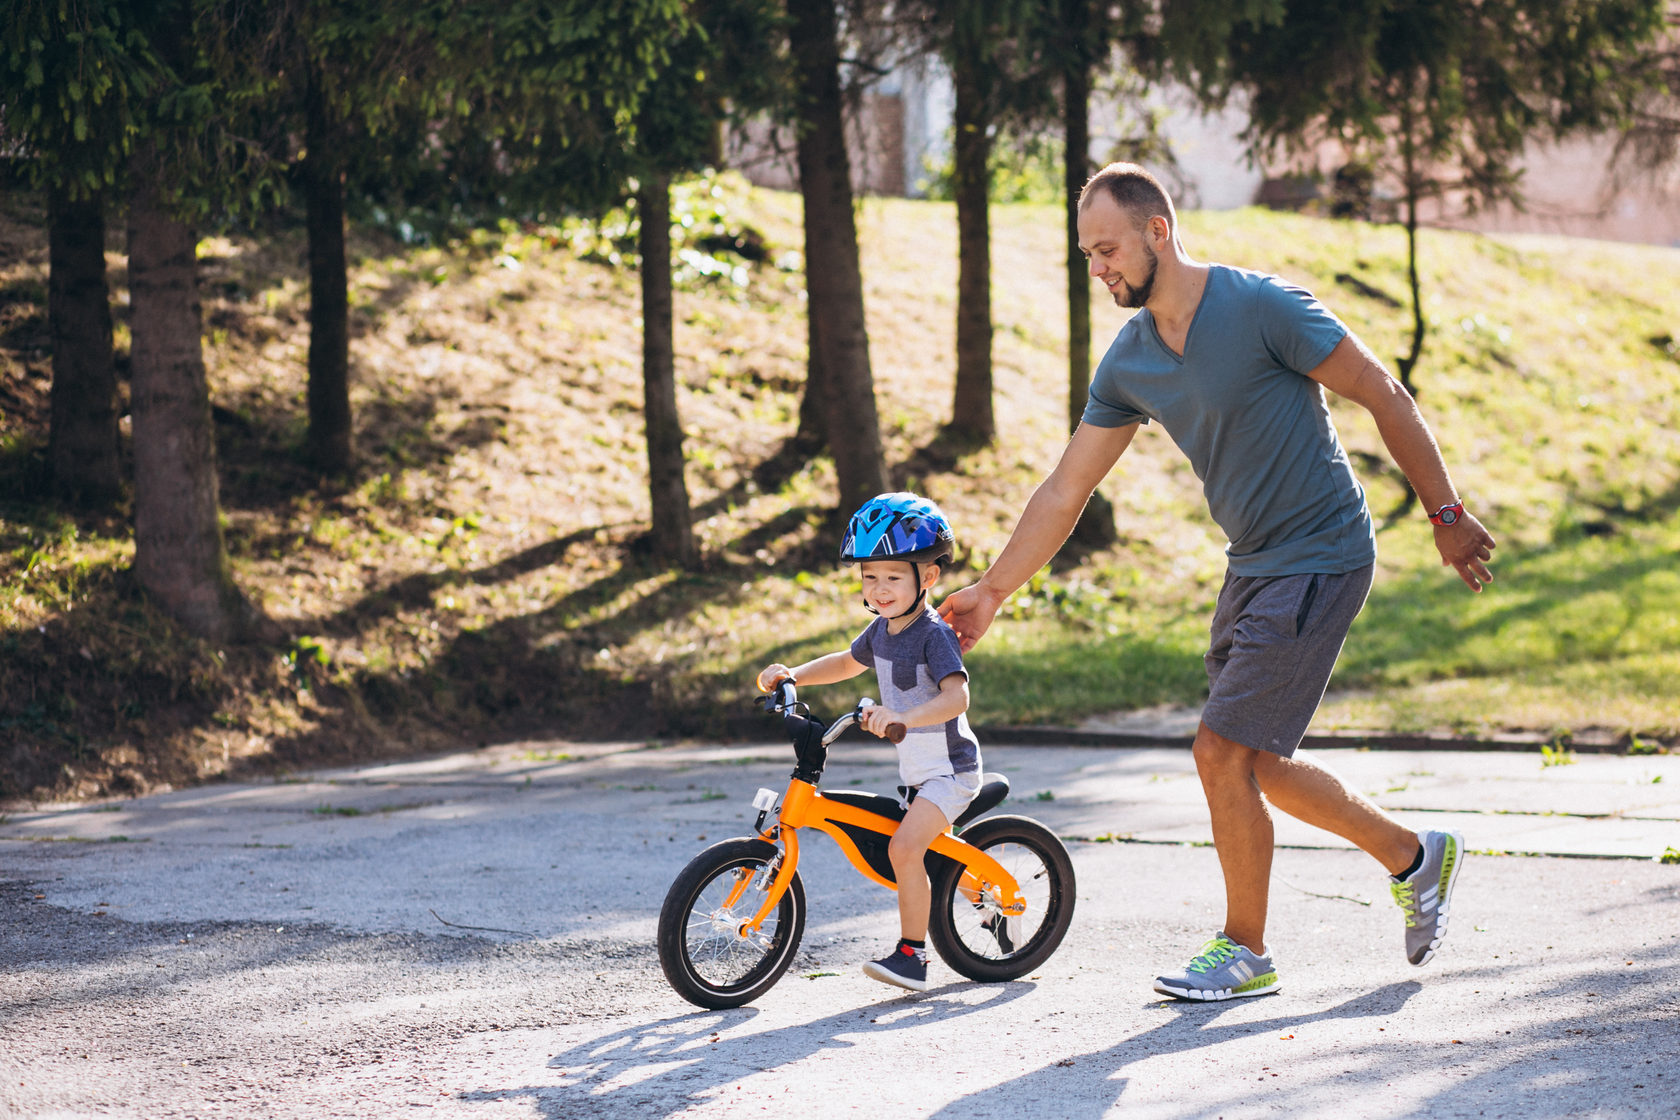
[972,934]
[701,948]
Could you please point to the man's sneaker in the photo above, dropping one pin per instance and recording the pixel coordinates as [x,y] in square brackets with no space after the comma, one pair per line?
[903,966]
[1426,894]
[1222,970]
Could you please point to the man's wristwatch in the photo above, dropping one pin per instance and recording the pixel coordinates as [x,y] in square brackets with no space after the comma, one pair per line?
[1448,515]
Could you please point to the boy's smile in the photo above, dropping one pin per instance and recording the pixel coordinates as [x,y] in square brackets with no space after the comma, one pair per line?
[891,588]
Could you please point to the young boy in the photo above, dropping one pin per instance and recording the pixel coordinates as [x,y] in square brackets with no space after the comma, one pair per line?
[901,543]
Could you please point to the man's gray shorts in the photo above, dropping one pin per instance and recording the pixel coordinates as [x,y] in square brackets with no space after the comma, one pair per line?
[1274,641]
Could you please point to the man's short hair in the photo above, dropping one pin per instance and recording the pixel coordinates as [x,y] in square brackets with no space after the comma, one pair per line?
[1137,192]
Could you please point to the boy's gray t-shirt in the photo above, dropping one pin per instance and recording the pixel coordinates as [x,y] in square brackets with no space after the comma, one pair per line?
[1255,427]
[908,668]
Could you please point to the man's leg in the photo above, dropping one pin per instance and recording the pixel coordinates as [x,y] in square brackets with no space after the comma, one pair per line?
[1242,833]
[1425,866]
[1234,963]
[1309,792]
[1273,644]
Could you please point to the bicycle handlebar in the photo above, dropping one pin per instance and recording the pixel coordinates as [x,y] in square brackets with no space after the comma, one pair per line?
[784,695]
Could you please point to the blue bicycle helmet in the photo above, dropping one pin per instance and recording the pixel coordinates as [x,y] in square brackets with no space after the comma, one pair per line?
[899,526]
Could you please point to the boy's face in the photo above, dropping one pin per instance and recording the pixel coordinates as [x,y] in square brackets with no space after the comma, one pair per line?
[891,587]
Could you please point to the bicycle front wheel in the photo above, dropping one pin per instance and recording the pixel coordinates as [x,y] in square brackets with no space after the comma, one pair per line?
[967,926]
[701,948]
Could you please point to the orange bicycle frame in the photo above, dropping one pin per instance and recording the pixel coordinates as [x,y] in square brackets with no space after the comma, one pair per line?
[804,806]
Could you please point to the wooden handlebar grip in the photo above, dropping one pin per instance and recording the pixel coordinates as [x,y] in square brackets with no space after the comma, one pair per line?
[895,732]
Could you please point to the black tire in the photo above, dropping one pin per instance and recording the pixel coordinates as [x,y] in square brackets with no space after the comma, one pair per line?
[1040,864]
[703,956]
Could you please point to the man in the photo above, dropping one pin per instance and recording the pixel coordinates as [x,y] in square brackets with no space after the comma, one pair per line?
[1233,365]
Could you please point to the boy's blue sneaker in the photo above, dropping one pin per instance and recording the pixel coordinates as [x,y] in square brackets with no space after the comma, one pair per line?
[1222,970]
[903,967]
[1426,894]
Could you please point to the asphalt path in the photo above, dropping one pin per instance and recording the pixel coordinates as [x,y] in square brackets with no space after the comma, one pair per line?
[473,936]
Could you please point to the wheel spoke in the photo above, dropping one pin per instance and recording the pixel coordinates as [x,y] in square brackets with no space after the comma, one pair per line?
[720,955]
[702,949]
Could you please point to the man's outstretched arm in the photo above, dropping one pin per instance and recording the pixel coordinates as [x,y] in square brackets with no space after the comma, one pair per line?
[1352,371]
[1051,513]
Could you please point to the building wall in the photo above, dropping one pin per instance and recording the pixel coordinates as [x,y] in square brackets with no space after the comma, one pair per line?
[1568,190]
[1212,171]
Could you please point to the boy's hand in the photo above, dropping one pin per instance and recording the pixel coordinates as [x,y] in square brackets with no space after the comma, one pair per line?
[877,719]
[769,678]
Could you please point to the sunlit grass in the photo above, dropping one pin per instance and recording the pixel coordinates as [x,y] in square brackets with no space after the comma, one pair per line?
[481,569]
[1550,377]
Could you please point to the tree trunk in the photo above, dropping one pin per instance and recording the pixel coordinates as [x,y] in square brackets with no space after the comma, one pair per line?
[179,556]
[82,442]
[833,276]
[672,536]
[1076,163]
[1409,363]
[1095,527]
[1413,187]
[813,406]
[971,408]
[328,444]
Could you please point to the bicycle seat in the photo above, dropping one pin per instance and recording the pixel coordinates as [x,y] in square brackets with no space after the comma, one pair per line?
[993,789]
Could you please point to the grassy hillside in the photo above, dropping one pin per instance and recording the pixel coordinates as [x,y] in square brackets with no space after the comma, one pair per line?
[479,578]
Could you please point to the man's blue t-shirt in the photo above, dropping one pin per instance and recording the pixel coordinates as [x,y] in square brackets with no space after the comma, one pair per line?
[1255,427]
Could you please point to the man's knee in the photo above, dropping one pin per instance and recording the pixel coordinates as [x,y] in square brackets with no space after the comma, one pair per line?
[1217,756]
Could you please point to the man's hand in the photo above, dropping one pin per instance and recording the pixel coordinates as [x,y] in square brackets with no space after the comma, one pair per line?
[1466,547]
[970,611]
